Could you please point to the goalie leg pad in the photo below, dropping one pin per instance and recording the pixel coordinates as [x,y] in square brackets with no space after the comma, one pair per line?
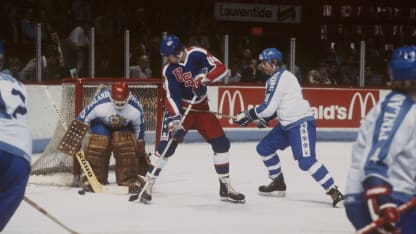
[125,150]
[98,154]
[143,158]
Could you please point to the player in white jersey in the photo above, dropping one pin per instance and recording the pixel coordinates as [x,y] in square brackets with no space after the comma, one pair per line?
[15,146]
[116,120]
[296,128]
[383,171]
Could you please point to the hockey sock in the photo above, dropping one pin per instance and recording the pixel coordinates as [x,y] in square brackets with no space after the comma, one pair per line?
[221,164]
[154,160]
[321,175]
[272,163]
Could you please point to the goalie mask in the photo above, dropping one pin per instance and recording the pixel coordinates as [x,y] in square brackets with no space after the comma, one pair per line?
[120,95]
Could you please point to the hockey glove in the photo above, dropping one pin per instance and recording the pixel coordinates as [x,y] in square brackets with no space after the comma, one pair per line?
[261,123]
[381,204]
[245,117]
[264,122]
[199,86]
[177,132]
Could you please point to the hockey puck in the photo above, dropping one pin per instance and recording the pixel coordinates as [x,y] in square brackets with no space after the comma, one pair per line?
[81,192]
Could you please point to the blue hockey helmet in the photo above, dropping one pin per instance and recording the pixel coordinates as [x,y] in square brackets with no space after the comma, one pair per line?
[269,54]
[170,45]
[402,65]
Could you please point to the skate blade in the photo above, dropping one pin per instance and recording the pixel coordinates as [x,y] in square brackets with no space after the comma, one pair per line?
[339,204]
[274,194]
[227,199]
[144,201]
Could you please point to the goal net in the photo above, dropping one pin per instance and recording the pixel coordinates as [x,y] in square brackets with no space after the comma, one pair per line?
[56,168]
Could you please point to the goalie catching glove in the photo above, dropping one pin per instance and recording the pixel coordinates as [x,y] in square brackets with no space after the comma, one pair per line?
[381,204]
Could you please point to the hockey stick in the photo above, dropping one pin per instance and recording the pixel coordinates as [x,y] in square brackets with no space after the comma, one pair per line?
[215,113]
[79,155]
[43,211]
[377,223]
[162,156]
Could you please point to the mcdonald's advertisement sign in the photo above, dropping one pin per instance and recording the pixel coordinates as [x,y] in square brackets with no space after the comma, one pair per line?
[332,108]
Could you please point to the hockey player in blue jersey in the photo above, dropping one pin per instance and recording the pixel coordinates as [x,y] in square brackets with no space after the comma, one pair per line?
[383,170]
[116,119]
[15,146]
[185,75]
[296,128]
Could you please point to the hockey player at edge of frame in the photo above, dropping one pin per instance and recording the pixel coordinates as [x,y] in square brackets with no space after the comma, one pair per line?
[15,146]
[296,128]
[186,73]
[383,170]
[116,120]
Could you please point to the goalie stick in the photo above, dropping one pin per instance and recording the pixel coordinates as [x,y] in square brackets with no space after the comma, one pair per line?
[51,217]
[162,156]
[377,223]
[79,155]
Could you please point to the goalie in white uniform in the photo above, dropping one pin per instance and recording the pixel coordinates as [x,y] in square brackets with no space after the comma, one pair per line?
[383,170]
[116,120]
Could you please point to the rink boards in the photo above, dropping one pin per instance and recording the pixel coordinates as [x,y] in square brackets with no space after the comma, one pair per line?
[338,111]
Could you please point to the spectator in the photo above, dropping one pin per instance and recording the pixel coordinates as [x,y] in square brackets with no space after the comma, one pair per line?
[314,78]
[350,71]
[78,35]
[13,67]
[46,27]
[28,26]
[142,69]
[372,78]
[68,55]
[252,73]
[246,59]
[324,74]
[334,74]
[234,76]
[50,68]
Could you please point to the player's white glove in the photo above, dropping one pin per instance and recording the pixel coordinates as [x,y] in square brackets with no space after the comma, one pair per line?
[245,117]
[177,132]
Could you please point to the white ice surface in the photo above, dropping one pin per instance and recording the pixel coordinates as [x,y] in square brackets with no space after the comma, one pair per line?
[185,199]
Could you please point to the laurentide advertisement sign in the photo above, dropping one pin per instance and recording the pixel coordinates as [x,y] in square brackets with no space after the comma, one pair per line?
[246,12]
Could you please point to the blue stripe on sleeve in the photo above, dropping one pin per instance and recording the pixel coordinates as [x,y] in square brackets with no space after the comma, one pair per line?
[100,99]
[270,90]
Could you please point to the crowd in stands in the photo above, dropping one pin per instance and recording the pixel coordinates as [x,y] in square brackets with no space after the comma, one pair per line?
[65,42]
